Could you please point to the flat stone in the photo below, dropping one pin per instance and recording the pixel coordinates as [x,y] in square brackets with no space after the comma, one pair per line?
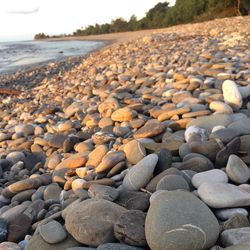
[183,231]
[129,228]
[237,170]
[210,164]
[213,175]
[140,174]
[173,146]
[110,160]
[197,164]
[225,135]
[226,213]
[74,161]
[52,232]
[232,94]
[15,157]
[208,122]
[23,196]
[235,236]
[223,195]
[92,221]
[103,192]
[96,156]
[149,130]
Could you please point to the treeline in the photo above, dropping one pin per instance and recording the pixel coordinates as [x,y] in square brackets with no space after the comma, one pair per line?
[162,15]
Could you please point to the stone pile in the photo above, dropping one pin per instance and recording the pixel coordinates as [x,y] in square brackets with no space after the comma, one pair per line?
[144,145]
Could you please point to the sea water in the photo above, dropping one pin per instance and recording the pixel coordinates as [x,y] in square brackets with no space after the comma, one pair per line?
[15,55]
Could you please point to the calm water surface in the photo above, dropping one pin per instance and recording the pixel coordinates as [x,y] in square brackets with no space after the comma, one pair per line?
[14,55]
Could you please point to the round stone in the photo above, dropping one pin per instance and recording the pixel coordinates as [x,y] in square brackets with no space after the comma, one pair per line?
[92,221]
[26,129]
[52,192]
[168,227]
[15,157]
[122,115]
[134,151]
[220,107]
[52,232]
[232,94]
[172,182]
[237,170]
[208,122]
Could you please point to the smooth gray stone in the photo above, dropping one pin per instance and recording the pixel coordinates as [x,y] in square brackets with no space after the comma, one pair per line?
[172,182]
[226,213]
[237,170]
[171,222]
[213,175]
[52,232]
[225,134]
[140,174]
[223,195]
[241,126]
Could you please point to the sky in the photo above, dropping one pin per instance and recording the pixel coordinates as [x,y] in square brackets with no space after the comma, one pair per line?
[22,19]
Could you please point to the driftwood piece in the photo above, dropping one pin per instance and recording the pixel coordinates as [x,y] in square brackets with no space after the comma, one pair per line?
[4,91]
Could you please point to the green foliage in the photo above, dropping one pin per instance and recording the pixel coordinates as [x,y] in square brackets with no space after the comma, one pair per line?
[161,15]
[40,36]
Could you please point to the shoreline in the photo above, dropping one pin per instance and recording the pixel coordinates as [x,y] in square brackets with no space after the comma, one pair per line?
[119,38]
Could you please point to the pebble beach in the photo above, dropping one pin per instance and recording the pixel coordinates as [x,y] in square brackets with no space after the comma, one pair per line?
[143,144]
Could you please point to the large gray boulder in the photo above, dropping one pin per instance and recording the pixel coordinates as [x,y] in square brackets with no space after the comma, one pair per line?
[178,220]
[91,222]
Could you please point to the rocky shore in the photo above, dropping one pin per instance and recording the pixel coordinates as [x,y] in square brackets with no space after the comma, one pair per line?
[142,145]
